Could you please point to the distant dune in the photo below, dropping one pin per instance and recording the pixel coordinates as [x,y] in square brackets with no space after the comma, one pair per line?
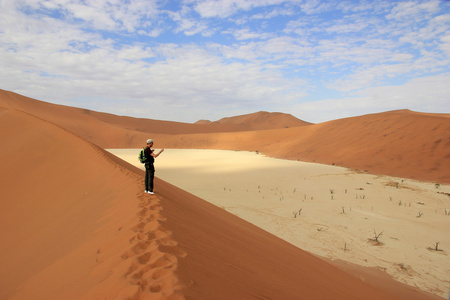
[260,121]
[77,225]
[399,143]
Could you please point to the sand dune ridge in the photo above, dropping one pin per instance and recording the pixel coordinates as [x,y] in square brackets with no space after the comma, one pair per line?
[77,225]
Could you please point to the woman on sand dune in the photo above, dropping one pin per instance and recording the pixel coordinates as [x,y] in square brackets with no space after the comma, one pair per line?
[149,167]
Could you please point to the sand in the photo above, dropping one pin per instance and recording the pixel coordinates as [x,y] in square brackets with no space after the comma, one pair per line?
[397,143]
[77,225]
[332,212]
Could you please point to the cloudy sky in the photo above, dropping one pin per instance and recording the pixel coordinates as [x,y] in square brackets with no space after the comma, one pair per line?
[188,60]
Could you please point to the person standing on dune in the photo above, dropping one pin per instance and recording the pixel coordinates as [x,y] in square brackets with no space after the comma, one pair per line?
[149,167]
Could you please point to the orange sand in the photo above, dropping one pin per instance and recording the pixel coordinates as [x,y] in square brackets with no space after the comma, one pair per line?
[77,225]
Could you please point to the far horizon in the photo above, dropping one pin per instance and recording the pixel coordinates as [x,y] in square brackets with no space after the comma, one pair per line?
[234,116]
[209,59]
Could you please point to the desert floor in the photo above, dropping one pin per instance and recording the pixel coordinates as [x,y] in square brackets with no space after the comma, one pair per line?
[330,211]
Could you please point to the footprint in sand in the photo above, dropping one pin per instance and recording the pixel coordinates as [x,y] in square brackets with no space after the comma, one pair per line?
[177,251]
[153,253]
[143,259]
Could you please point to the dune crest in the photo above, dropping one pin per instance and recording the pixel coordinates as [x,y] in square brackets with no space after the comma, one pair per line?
[77,224]
[263,120]
[399,143]
[146,268]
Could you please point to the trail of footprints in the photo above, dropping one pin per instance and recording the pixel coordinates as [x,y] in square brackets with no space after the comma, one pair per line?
[153,255]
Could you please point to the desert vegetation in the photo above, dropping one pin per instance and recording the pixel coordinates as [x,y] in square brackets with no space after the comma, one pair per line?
[375,240]
[351,216]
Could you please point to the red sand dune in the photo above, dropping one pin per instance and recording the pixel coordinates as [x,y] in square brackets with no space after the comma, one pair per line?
[398,143]
[259,121]
[76,225]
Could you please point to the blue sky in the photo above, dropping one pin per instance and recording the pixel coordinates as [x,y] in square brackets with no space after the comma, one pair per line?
[191,60]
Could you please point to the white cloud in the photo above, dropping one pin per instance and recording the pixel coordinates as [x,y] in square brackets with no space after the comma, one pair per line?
[426,94]
[346,26]
[226,8]
[445,45]
[276,12]
[247,34]
[220,8]
[191,55]
[315,6]
[413,11]
[99,14]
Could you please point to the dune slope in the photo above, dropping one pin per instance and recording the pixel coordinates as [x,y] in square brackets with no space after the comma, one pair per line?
[76,225]
[397,143]
[75,233]
[68,213]
[228,258]
[262,120]
[118,131]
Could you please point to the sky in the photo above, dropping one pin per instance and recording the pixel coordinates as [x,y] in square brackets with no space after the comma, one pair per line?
[193,60]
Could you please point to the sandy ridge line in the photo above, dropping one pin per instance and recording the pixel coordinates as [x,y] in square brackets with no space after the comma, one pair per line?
[105,154]
[153,255]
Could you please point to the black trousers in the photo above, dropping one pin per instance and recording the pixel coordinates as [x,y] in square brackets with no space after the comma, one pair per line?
[149,175]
